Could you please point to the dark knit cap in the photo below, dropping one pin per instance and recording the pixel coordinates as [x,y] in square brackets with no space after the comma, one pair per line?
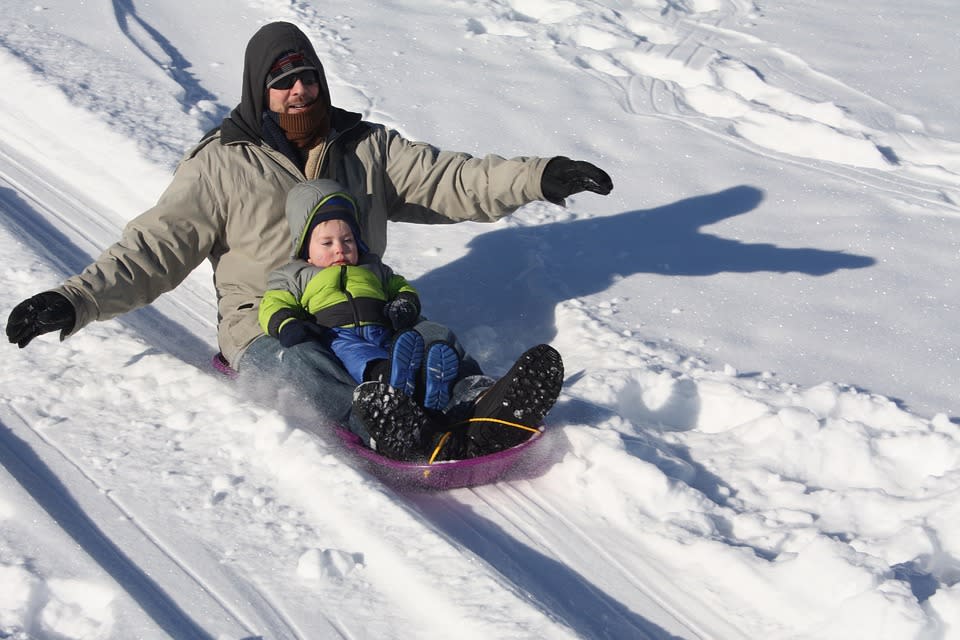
[336,207]
[287,63]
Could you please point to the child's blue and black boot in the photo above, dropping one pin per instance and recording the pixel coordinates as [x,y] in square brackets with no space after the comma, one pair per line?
[440,371]
[406,358]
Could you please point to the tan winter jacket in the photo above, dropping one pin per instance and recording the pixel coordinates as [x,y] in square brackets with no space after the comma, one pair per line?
[226,204]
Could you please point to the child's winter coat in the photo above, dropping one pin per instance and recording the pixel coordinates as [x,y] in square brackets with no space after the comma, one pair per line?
[347,300]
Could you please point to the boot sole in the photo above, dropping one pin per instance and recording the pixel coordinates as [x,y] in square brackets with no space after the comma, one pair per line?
[406,358]
[394,421]
[526,395]
[443,365]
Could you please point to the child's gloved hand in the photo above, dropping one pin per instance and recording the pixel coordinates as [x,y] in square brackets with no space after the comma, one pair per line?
[297,331]
[403,311]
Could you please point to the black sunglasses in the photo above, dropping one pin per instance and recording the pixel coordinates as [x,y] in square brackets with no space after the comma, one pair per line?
[308,76]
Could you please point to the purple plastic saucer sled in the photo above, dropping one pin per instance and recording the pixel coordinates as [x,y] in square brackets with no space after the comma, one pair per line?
[221,365]
[446,474]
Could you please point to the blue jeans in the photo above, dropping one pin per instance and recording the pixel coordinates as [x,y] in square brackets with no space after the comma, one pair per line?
[308,383]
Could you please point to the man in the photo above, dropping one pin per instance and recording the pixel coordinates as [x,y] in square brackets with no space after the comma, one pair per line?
[225,204]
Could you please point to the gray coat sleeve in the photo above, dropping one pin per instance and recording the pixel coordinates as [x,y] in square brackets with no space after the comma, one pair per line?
[157,251]
[435,186]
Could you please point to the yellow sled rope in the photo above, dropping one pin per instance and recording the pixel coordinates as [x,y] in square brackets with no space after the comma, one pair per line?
[446,436]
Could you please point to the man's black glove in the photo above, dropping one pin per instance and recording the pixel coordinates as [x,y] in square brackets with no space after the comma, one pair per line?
[564,177]
[403,311]
[297,331]
[43,313]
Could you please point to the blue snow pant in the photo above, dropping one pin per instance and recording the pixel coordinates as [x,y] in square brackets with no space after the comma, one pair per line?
[309,383]
[357,346]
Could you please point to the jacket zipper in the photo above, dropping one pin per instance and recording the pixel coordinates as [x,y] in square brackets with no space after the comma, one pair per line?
[349,297]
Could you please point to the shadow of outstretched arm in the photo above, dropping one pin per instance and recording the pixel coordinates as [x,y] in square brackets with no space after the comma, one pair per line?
[535,268]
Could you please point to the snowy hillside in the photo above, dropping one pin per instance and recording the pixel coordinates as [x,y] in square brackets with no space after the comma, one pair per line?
[759,435]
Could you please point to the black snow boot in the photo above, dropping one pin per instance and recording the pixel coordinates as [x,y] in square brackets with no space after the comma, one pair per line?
[399,427]
[523,396]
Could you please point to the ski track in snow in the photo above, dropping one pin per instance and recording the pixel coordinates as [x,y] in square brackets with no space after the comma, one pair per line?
[22,459]
[726,82]
[257,484]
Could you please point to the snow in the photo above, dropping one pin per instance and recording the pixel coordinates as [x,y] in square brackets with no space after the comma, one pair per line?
[758,435]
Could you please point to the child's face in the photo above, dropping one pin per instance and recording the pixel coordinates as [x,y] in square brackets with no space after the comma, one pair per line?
[332,242]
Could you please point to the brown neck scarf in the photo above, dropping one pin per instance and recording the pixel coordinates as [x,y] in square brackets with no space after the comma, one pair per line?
[305,129]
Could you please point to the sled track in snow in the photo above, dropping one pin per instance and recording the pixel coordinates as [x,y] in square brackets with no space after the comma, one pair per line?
[69,232]
[541,553]
[526,497]
[45,215]
[32,205]
[41,468]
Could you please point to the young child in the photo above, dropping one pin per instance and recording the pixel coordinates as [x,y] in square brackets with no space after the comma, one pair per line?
[340,295]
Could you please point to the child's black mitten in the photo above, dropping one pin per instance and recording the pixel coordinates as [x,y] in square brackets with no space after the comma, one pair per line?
[403,311]
[297,331]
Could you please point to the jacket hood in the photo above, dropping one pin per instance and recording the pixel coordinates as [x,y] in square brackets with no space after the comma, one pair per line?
[264,48]
[310,203]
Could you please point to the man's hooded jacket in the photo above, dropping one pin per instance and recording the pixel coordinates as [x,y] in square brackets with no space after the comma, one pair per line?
[225,203]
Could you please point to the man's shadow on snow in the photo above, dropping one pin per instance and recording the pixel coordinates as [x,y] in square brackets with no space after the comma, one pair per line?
[539,266]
